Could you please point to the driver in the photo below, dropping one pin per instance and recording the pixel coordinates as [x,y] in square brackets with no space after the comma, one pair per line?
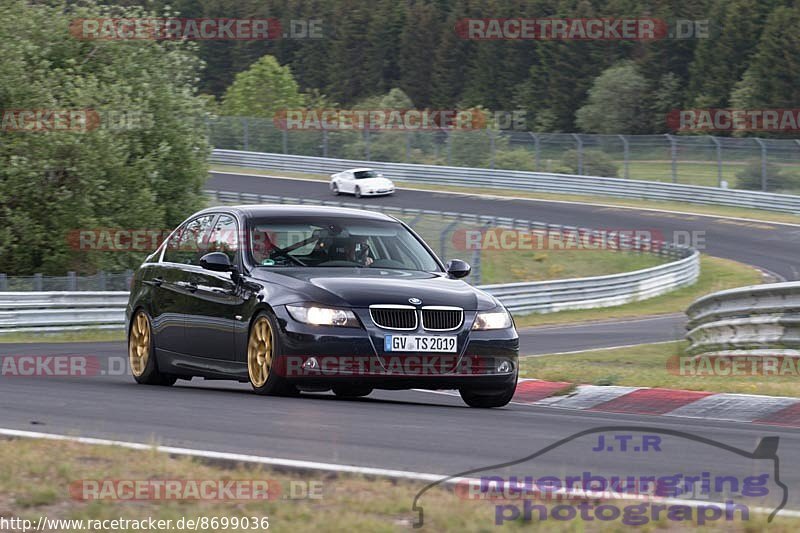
[358,251]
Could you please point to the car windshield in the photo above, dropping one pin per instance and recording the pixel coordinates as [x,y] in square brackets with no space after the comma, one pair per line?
[364,174]
[337,242]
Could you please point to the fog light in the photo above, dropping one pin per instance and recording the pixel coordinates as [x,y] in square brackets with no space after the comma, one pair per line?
[311,364]
[504,367]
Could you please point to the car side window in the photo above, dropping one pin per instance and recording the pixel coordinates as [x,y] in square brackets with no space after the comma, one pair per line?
[189,243]
[225,237]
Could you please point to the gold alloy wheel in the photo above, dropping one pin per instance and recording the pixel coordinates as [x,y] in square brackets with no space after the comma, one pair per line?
[259,352]
[139,344]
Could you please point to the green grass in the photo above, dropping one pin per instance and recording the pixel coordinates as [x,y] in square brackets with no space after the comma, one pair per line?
[680,207]
[716,274]
[505,266]
[648,365]
[512,265]
[36,477]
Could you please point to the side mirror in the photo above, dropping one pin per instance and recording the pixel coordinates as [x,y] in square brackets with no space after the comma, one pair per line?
[216,261]
[457,268]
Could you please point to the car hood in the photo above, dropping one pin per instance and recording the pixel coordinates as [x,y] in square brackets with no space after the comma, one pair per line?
[362,287]
[379,183]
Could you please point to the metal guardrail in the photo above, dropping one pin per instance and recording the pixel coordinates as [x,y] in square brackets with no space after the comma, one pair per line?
[754,320]
[61,311]
[518,180]
[58,311]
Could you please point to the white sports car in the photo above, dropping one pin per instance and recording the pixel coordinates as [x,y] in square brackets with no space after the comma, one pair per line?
[361,182]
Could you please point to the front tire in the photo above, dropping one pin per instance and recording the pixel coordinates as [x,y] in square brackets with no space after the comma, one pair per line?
[263,348]
[335,188]
[141,353]
[358,192]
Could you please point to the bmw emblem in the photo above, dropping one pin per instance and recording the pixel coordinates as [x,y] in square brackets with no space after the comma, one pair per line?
[414,301]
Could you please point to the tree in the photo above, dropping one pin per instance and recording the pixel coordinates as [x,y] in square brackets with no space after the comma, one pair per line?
[262,90]
[617,102]
[419,39]
[720,60]
[668,96]
[142,166]
[773,77]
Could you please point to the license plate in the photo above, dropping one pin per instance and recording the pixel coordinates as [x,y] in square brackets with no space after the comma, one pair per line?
[419,343]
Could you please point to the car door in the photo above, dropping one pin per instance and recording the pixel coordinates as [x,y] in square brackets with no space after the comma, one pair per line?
[216,300]
[171,290]
[348,182]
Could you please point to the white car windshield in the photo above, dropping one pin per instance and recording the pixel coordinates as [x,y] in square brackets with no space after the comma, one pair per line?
[364,174]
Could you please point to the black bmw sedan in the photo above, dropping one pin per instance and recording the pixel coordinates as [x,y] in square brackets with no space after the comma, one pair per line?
[300,298]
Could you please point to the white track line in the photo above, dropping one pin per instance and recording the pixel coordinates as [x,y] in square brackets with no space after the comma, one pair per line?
[347,469]
[227,456]
[541,200]
[598,349]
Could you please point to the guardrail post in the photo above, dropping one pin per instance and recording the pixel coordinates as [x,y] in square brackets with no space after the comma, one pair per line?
[367,153]
[537,149]
[285,140]
[101,280]
[37,282]
[128,278]
[492,149]
[246,134]
[3,282]
[72,281]
[408,146]
[443,239]
[719,159]
[673,150]
[579,150]
[448,140]
[763,163]
[625,155]
[324,143]
[475,276]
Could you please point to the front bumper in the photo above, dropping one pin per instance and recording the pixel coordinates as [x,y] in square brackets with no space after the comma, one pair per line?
[377,192]
[318,356]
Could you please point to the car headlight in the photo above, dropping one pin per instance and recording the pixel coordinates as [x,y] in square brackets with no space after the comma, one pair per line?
[492,320]
[323,316]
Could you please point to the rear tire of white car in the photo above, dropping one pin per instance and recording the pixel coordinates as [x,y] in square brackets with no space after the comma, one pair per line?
[335,188]
[358,192]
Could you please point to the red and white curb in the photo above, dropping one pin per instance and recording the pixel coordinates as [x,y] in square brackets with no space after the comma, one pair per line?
[772,410]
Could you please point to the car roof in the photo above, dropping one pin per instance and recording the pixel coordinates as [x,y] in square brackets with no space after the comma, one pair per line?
[267,210]
[362,169]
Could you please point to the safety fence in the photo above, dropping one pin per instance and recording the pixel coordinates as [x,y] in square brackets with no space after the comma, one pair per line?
[735,162]
[482,178]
